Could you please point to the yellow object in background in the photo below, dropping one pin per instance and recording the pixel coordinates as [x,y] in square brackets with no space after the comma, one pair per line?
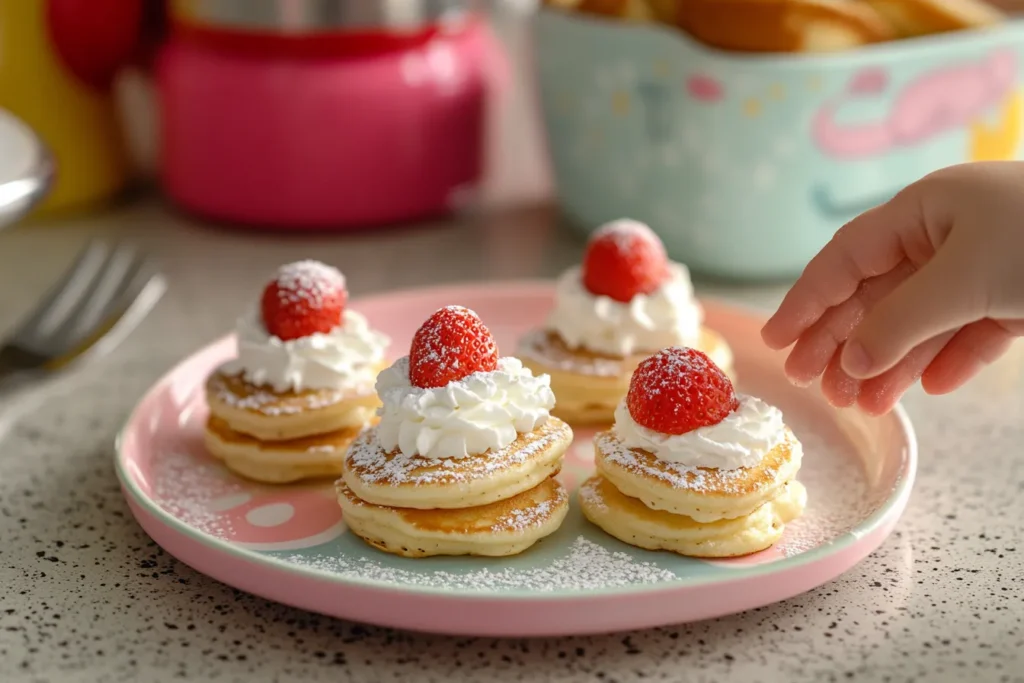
[999,140]
[77,121]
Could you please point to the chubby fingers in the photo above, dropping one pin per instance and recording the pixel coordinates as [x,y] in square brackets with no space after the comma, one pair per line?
[943,295]
[818,345]
[839,389]
[866,247]
[973,347]
[880,394]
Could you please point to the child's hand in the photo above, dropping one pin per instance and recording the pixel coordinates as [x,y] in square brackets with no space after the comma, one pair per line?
[929,285]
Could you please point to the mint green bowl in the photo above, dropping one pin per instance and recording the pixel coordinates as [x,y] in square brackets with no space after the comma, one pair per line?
[746,165]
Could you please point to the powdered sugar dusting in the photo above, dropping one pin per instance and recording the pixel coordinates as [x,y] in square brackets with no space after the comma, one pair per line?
[676,475]
[522,519]
[374,465]
[587,566]
[308,282]
[680,388]
[265,401]
[540,348]
[450,335]
[839,493]
[589,492]
[185,485]
[624,232]
[676,366]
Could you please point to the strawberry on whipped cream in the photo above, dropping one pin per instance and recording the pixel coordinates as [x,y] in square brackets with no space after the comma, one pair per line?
[627,297]
[452,397]
[682,409]
[303,337]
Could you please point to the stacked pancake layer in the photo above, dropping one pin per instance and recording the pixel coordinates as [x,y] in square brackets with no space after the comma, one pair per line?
[696,511]
[495,503]
[279,437]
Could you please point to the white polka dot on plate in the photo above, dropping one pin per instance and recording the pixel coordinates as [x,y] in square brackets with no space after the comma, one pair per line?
[274,514]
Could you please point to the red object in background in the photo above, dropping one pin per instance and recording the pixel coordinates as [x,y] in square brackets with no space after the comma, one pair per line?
[153,31]
[324,125]
[95,38]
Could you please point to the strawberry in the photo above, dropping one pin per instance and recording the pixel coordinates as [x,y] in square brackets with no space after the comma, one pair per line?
[451,345]
[678,390]
[624,258]
[304,298]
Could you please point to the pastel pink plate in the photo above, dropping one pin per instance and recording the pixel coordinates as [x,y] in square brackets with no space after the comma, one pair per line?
[290,544]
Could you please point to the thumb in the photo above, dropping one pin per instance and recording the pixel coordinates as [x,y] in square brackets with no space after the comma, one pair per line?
[940,297]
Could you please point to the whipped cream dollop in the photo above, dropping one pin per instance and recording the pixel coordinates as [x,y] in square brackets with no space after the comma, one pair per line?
[345,358]
[483,411]
[668,316]
[742,439]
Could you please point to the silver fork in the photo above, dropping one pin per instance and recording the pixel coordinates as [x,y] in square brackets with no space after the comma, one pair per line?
[98,301]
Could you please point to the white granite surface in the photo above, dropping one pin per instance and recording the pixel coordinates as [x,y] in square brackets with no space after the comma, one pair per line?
[86,596]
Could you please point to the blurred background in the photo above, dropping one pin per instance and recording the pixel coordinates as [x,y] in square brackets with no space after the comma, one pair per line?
[745,132]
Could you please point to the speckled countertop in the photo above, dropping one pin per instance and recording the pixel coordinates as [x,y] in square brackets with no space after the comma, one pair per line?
[86,596]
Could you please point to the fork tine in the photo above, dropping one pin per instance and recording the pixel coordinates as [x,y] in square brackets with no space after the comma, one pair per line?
[117,269]
[135,298]
[62,297]
[141,272]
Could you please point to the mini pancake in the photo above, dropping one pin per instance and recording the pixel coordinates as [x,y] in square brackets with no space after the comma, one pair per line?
[923,17]
[398,480]
[783,25]
[587,385]
[632,522]
[281,416]
[279,462]
[705,494]
[506,527]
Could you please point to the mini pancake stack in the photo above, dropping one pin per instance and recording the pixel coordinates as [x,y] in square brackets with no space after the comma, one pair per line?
[301,389]
[691,467]
[463,461]
[626,302]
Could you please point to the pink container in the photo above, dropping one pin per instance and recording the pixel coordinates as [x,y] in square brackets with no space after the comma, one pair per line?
[326,121]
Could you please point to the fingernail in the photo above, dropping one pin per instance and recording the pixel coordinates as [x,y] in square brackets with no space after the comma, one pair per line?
[800,382]
[855,359]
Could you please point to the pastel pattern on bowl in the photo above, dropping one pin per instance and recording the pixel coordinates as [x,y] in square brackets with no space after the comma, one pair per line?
[746,165]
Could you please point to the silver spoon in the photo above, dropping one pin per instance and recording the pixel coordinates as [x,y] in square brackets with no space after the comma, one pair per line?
[26,169]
